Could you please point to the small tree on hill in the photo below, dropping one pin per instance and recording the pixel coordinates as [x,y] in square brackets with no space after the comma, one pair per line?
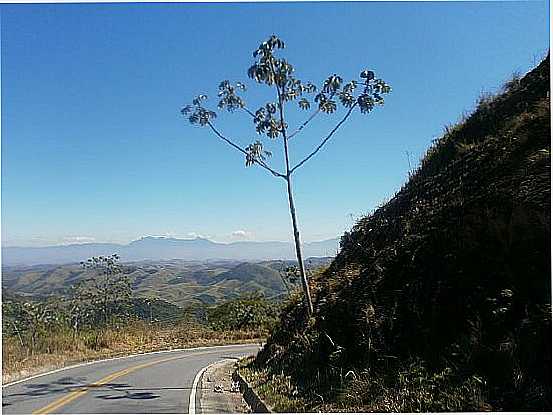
[270,118]
[104,297]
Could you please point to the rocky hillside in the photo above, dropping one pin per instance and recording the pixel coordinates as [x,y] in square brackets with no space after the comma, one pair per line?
[441,299]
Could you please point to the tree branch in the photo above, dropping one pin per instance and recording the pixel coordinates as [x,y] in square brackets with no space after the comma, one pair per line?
[240,149]
[301,163]
[248,111]
[301,127]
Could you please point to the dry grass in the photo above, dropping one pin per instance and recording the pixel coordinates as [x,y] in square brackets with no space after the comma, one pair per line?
[62,348]
[440,299]
[277,391]
[414,389]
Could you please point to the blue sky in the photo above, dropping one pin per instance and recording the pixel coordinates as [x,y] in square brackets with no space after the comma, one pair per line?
[94,147]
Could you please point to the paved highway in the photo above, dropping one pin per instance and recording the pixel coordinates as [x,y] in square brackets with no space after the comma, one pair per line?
[142,384]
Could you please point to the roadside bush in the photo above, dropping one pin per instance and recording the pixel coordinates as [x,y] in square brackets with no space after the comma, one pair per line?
[251,311]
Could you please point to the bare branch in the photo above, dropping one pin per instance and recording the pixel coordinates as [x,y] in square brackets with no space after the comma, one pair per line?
[248,111]
[240,149]
[301,163]
[301,127]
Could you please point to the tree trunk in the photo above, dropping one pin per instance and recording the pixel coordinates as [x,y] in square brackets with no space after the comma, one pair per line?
[18,334]
[297,242]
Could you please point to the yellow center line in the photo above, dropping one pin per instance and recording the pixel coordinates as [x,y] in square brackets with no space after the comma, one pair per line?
[76,394]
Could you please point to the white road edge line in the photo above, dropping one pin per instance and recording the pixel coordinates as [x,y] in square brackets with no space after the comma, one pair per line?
[192,401]
[123,357]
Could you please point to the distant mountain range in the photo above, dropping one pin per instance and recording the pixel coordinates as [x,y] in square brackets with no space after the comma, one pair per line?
[161,248]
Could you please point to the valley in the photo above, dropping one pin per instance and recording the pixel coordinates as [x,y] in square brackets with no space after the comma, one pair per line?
[179,282]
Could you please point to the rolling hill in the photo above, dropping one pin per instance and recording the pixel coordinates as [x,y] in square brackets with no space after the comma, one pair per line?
[176,281]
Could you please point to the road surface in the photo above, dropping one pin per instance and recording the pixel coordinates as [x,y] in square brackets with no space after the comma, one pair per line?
[143,384]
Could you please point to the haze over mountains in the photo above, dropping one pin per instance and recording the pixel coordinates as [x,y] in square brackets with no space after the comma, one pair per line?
[161,248]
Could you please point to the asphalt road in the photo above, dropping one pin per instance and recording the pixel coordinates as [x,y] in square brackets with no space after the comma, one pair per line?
[143,384]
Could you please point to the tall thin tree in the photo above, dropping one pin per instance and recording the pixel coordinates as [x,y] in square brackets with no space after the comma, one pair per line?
[270,119]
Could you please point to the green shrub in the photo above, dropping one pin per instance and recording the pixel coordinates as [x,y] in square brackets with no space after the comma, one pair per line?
[251,311]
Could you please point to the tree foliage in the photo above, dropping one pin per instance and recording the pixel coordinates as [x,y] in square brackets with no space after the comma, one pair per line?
[271,70]
[250,311]
[104,298]
[30,319]
[269,119]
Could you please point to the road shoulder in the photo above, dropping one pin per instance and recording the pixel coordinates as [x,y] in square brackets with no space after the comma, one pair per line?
[218,392]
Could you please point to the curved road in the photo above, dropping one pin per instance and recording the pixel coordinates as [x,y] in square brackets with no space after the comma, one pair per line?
[142,384]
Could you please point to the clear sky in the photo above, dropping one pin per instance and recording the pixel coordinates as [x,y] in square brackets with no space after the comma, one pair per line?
[94,147]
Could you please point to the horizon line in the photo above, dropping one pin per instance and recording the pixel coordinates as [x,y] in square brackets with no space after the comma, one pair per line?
[74,243]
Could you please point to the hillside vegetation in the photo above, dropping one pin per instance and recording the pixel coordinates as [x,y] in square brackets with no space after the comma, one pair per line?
[95,322]
[59,347]
[179,282]
[440,300]
[55,315]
